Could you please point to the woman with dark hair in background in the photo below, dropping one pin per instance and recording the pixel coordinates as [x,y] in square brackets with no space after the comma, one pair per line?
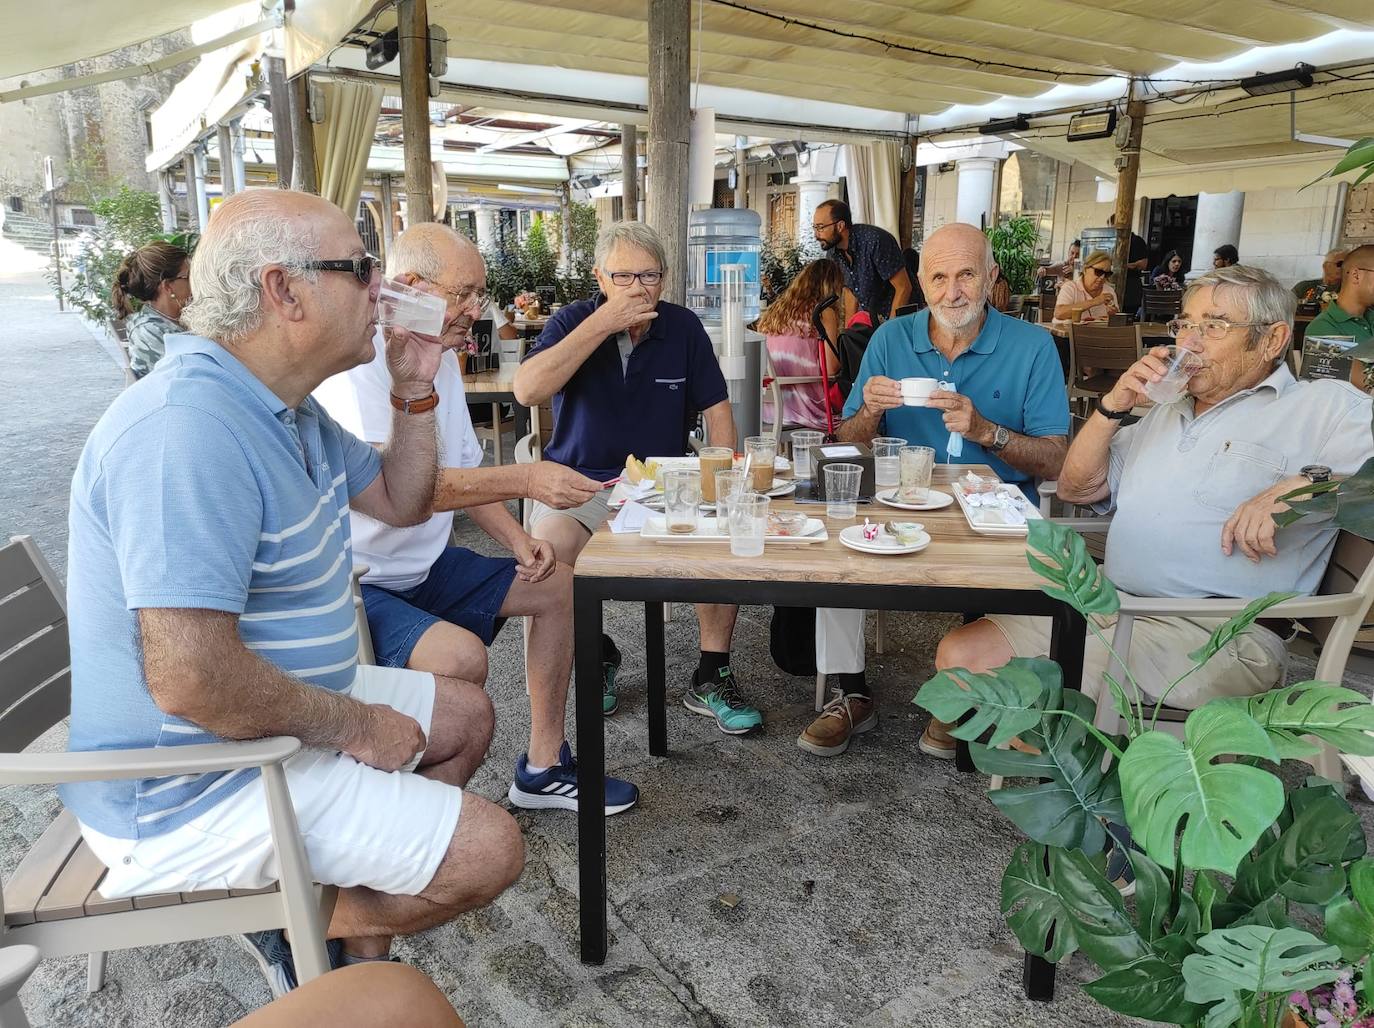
[794,346]
[158,276]
[1169,274]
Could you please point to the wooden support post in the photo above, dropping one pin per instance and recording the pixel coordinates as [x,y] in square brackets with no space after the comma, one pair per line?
[304,174]
[629,172]
[565,218]
[670,119]
[906,202]
[412,20]
[188,167]
[228,185]
[388,214]
[279,96]
[1125,192]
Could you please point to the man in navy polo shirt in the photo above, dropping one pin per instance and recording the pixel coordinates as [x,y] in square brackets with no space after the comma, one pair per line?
[628,373]
[1007,402]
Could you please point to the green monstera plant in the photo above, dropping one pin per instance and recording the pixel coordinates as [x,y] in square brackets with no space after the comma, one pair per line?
[1246,893]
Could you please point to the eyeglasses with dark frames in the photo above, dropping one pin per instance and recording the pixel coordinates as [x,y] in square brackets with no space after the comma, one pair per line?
[625,278]
[828,224]
[361,266]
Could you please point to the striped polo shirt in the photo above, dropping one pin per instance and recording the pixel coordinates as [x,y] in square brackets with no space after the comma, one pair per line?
[199,488]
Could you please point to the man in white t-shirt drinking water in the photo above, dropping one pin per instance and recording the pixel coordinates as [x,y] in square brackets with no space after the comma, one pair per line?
[435,607]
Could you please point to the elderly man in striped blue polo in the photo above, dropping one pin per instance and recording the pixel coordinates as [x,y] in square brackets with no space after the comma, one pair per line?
[210,598]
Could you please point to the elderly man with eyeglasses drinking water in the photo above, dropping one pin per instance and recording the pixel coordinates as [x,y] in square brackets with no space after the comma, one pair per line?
[1193,488]
[628,372]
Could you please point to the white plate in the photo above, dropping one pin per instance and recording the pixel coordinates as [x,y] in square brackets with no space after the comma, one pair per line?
[935,500]
[988,520]
[886,545]
[656,528]
[790,486]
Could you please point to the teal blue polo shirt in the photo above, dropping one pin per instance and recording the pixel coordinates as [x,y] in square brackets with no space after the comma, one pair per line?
[1011,373]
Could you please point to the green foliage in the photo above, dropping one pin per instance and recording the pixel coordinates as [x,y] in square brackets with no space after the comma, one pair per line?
[779,263]
[1196,807]
[1013,248]
[127,219]
[579,282]
[538,255]
[516,267]
[1359,155]
[1349,502]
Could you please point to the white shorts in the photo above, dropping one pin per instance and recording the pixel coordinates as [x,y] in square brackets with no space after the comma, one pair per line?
[388,831]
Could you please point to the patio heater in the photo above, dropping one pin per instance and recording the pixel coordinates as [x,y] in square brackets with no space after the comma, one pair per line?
[740,353]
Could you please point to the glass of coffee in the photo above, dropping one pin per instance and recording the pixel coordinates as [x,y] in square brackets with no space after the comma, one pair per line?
[713,459]
[681,498]
[762,449]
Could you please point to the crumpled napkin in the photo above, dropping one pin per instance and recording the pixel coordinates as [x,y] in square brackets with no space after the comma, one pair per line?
[631,518]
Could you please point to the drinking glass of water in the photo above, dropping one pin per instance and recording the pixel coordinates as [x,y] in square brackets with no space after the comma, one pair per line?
[842,490]
[802,442]
[885,460]
[748,524]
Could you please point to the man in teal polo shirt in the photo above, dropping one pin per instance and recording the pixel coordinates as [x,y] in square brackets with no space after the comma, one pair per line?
[1004,395]
[1352,312]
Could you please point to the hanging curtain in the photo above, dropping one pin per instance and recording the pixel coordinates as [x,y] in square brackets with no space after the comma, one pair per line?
[344,140]
[874,176]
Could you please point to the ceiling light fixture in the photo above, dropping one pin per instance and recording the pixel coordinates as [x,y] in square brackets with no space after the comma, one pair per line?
[1019,123]
[1091,125]
[1298,77]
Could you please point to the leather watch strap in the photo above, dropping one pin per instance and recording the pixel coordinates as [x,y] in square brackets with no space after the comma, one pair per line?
[1114,415]
[416,406]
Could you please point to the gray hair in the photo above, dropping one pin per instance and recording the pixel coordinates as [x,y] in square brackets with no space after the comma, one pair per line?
[414,251]
[1265,300]
[226,270]
[632,233]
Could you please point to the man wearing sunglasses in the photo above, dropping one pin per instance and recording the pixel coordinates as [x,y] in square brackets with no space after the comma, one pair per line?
[210,599]
[1193,487]
[436,607]
[629,373]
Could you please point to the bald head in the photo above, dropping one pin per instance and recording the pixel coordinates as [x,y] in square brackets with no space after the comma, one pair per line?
[961,237]
[249,231]
[427,250]
[957,272]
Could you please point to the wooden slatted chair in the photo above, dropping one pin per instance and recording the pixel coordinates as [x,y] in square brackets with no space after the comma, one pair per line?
[53,899]
[1162,304]
[1098,354]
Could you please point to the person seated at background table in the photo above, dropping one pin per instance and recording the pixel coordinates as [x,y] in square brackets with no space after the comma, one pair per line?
[1192,489]
[435,607]
[1225,256]
[869,257]
[1323,290]
[1010,407]
[209,598]
[158,275]
[1068,267]
[1169,274]
[1090,297]
[797,352]
[1352,312]
[628,373]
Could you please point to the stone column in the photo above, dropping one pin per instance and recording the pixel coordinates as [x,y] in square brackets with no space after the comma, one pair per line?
[975,204]
[811,193]
[488,235]
[1218,222]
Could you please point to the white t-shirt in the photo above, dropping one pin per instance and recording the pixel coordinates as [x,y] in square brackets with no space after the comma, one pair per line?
[360,401]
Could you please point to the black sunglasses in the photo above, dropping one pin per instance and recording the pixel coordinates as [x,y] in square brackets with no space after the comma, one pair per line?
[362,266]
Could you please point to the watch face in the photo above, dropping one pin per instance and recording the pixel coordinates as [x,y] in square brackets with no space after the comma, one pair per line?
[1316,472]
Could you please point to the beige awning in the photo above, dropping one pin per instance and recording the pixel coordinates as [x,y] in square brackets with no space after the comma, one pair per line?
[74,30]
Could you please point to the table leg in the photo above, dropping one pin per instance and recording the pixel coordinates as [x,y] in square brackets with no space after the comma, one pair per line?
[656,673]
[497,456]
[1066,647]
[591,774]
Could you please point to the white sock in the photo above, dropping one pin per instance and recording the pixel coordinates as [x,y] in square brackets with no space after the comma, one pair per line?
[535,770]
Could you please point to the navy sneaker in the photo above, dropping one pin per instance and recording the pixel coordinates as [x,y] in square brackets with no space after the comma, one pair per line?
[273,954]
[1119,870]
[557,786]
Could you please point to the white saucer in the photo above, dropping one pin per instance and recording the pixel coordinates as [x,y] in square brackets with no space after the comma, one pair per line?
[787,488]
[935,500]
[885,545]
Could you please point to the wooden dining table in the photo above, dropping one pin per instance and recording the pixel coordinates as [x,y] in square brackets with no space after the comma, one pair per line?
[497,387]
[959,572]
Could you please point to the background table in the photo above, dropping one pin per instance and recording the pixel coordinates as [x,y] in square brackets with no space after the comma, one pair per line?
[960,572]
[497,387]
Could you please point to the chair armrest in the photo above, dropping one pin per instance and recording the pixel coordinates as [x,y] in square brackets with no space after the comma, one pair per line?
[1298,607]
[796,379]
[1085,524]
[153,762]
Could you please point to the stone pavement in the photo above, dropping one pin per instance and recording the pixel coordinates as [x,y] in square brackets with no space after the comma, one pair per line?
[866,886]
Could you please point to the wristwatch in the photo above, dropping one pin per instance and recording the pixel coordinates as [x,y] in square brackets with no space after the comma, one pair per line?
[1113,415]
[1000,438]
[1315,473]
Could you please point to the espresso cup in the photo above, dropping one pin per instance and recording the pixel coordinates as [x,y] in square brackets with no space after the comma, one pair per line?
[916,391]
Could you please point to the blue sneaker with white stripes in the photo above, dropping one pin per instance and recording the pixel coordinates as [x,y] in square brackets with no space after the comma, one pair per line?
[557,786]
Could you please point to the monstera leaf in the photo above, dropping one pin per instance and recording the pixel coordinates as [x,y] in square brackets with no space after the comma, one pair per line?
[1349,503]
[1341,717]
[1072,899]
[1010,700]
[1254,960]
[1350,922]
[1304,863]
[1234,625]
[1152,987]
[1069,808]
[1223,808]
[1074,577]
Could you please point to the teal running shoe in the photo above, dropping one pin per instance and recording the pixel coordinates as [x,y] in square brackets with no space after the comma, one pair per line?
[724,703]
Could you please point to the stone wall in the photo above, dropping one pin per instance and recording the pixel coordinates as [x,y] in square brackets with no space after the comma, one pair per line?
[1288,231]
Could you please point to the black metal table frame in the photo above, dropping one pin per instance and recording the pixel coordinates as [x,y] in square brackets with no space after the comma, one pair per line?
[589,592]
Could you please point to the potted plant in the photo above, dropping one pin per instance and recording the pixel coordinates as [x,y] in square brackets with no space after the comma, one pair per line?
[1247,893]
[1013,248]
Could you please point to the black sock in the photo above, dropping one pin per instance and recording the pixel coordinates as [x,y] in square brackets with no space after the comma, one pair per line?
[609,653]
[710,665]
[850,682]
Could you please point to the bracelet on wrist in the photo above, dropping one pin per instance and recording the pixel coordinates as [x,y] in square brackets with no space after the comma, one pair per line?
[420,406]
[1108,413]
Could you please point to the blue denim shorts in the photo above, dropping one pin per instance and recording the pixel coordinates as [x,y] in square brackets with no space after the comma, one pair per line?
[463,588]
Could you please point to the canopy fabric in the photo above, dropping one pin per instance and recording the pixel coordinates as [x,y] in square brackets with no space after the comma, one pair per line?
[34,41]
[874,176]
[344,139]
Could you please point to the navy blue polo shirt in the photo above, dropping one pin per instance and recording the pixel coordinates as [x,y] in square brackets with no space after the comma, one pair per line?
[1011,372]
[603,413]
